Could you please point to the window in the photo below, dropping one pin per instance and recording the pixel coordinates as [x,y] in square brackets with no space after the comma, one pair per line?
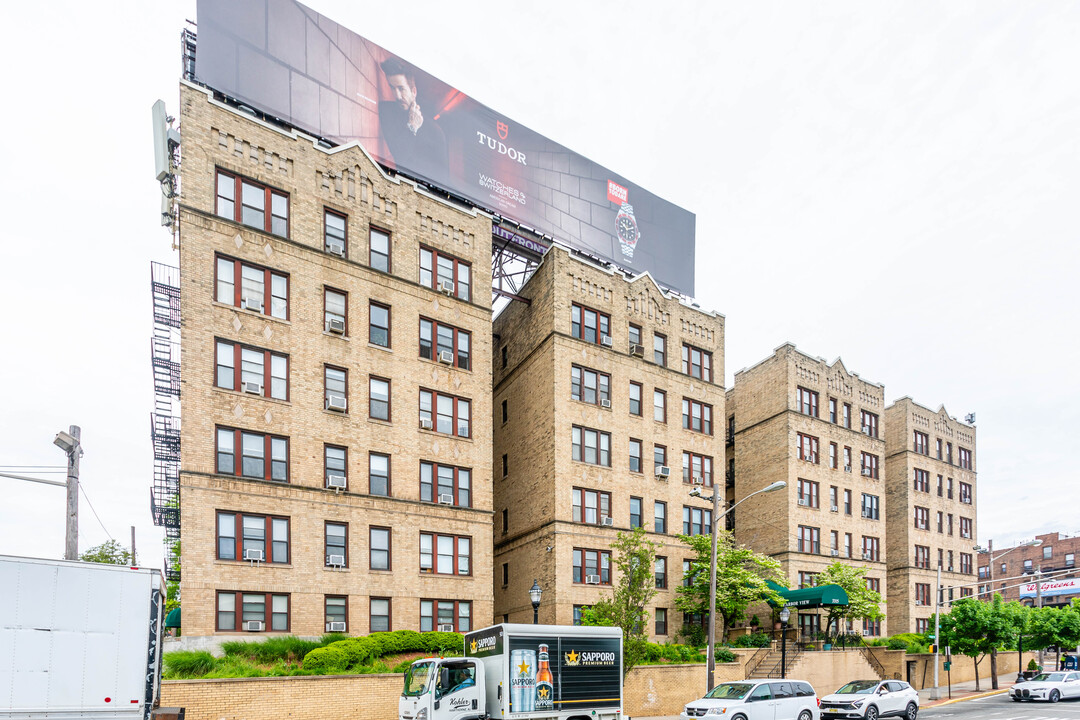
[379,474]
[659,344]
[266,371]
[436,613]
[379,551]
[922,518]
[940,486]
[949,489]
[940,522]
[591,446]
[922,557]
[965,492]
[255,200]
[948,523]
[661,572]
[446,344]
[808,448]
[697,416]
[590,386]
[834,503]
[659,405]
[635,455]
[336,544]
[661,621]
[966,592]
[505,465]
[379,325]
[588,325]
[591,506]
[1070,560]
[807,402]
[807,579]
[635,399]
[659,455]
[635,512]
[870,465]
[505,411]
[808,493]
[445,554]
[871,547]
[577,613]
[254,449]
[834,542]
[922,625]
[592,562]
[451,414]
[336,610]
[922,480]
[697,363]
[445,273]
[847,545]
[847,415]
[832,410]
[335,312]
[847,502]
[660,517]
[870,507]
[379,250]
[379,398]
[505,521]
[921,442]
[948,453]
[335,388]
[687,573]
[440,483]
[253,608]
[335,459]
[847,459]
[834,452]
[871,628]
[809,539]
[335,232]
[869,423]
[263,538]
[939,455]
[922,593]
[635,334]
[965,563]
[252,287]
[696,521]
[963,457]
[696,469]
[965,532]
[505,356]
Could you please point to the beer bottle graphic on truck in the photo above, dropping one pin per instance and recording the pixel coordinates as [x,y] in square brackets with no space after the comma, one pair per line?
[545,690]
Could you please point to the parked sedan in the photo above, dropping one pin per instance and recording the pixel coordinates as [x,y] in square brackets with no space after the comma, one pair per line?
[1050,686]
[872,699]
[756,700]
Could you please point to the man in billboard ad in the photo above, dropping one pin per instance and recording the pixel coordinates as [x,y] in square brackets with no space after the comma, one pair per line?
[414,141]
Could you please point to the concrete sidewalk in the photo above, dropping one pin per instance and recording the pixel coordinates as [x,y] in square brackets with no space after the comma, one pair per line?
[963,691]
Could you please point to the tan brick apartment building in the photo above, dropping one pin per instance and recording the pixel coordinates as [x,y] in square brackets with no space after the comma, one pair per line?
[336,466]
[607,396]
[818,427]
[930,465]
[1015,569]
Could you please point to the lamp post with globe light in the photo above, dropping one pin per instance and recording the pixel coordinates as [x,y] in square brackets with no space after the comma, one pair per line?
[534,594]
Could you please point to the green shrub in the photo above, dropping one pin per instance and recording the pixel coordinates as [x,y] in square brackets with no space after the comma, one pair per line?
[723,655]
[186,664]
[234,666]
[693,635]
[446,643]
[753,640]
[896,643]
[652,652]
[289,648]
[327,660]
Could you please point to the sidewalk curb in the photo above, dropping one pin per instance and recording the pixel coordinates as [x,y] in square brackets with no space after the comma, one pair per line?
[969,697]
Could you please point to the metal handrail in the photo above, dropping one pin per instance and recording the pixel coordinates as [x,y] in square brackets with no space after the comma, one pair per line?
[874,662]
[755,660]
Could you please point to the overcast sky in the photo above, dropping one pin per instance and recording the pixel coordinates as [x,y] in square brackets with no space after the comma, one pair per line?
[891,183]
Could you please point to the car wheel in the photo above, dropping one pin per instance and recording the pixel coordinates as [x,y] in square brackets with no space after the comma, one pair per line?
[912,711]
[1015,699]
[739,717]
[805,715]
[1054,696]
[872,713]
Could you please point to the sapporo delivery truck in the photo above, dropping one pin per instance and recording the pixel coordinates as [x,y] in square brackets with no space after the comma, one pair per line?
[521,671]
[78,640]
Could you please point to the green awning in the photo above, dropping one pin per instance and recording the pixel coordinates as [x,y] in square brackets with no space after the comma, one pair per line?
[821,596]
[172,620]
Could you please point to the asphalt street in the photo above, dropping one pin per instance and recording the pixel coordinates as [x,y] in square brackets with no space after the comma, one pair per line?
[1000,707]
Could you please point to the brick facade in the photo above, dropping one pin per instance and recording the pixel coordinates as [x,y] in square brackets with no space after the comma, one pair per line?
[1054,558]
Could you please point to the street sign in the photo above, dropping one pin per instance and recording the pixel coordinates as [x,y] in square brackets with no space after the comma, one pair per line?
[948,665]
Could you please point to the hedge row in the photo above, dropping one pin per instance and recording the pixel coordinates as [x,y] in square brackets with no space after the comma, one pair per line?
[351,653]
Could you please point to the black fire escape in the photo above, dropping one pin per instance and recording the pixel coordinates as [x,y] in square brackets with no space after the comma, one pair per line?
[165,420]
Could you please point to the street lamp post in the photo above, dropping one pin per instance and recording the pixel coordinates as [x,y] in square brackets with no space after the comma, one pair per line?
[715,499]
[69,443]
[534,594]
[785,615]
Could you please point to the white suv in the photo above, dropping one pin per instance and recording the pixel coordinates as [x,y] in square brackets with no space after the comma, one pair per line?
[872,699]
[756,700]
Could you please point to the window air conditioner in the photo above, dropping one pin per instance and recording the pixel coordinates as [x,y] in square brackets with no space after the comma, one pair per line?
[446,627]
[256,555]
[834,553]
[335,326]
[867,556]
[950,568]
[663,472]
[337,403]
[605,403]
[335,560]
[335,247]
[833,508]
[425,424]
[866,472]
[866,633]
[698,480]
[446,286]
[605,340]
[252,304]
[804,501]
[847,468]
[592,579]
[336,482]
[446,357]
[253,388]
[637,350]
[335,627]
[446,499]
[253,625]
[607,522]
[865,513]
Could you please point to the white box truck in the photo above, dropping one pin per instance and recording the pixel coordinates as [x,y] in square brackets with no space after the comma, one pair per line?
[78,640]
[521,672]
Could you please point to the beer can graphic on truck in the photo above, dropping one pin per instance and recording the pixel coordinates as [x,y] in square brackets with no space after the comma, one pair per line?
[522,681]
[545,689]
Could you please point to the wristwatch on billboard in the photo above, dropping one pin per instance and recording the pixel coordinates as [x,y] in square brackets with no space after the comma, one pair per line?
[627,229]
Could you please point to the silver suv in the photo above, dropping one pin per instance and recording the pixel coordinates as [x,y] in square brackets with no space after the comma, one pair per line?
[872,699]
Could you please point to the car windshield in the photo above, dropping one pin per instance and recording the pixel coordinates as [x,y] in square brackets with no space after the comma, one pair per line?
[417,678]
[1049,677]
[858,687]
[730,691]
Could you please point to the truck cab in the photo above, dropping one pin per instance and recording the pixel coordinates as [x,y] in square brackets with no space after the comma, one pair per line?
[443,689]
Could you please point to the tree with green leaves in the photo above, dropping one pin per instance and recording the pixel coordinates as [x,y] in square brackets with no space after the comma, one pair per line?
[172,587]
[109,552]
[862,601]
[1054,627]
[975,628]
[741,579]
[1016,616]
[634,556]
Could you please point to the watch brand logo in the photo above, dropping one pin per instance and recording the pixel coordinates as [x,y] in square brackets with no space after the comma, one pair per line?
[494,144]
[616,193]
[502,129]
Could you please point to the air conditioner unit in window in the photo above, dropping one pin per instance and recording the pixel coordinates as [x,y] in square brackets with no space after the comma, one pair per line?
[446,286]
[865,513]
[866,472]
[335,627]
[834,553]
[446,499]
[950,568]
[867,556]
[607,522]
[446,627]
[446,357]
[697,480]
[255,555]
[804,501]
[592,579]
[425,424]
[637,350]
[663,472]
[833,508]
[335,326]
[253,388]
[335,247]
[847,468]
[337,403]
[605,403]
[335,560]
[605,340]
[866,633]
[252,304]
[336,482]
[253,625]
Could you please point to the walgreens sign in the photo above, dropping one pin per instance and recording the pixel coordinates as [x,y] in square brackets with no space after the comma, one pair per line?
[1048,589]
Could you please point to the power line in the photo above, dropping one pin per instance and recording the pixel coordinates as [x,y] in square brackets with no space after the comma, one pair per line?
[87,497]
[25,467]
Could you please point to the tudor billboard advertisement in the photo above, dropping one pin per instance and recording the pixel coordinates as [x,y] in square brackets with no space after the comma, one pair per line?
[292,63]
